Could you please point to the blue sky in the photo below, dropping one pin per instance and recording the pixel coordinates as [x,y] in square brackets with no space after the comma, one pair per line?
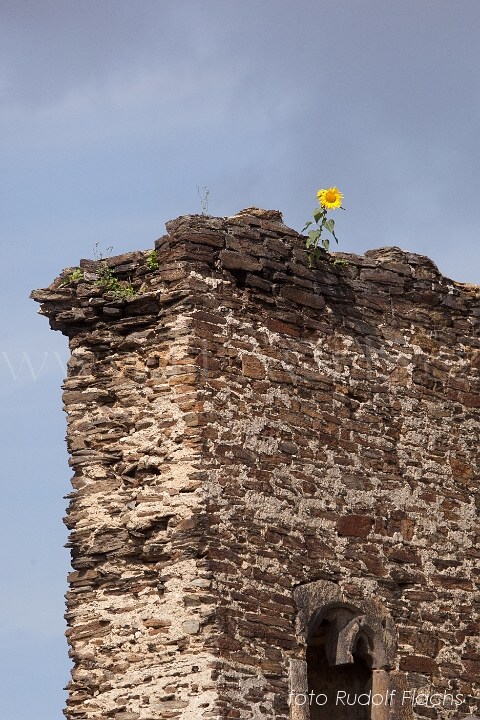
[112,112]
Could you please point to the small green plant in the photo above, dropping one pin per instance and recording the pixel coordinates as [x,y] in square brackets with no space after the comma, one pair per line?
[338,262]
[107,278]
[125,291]
[203,193]
[317,245]
[111,284]
[76,274]
[152,260]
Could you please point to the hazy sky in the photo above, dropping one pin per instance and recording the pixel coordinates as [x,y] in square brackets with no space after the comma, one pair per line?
[112,112]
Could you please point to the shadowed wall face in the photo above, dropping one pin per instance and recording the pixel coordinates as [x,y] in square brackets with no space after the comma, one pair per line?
[242,425]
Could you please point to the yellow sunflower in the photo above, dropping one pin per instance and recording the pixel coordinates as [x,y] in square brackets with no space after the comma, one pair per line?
[330,198]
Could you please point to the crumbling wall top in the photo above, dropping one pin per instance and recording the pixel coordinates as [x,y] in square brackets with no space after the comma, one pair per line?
[253,251]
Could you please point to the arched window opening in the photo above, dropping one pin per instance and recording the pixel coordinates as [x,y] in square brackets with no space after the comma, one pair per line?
[349,648]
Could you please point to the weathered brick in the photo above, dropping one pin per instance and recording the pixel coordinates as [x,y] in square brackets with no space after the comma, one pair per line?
[252,367]
[354,525]
[302,297]
[418,664]
[238,261]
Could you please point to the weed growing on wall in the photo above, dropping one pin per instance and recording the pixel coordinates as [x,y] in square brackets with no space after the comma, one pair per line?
[152,260]
[203,193]
[99,254]
[109,281]
[76,274]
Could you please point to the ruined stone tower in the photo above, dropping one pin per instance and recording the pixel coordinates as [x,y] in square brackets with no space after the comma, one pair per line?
[275,480]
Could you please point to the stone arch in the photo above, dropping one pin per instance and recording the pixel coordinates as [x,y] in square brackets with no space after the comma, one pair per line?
[349,649]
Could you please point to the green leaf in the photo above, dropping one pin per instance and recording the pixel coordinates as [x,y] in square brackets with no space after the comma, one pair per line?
[313,237]
[307,225]
[326,244]
[330,225]
[318,214]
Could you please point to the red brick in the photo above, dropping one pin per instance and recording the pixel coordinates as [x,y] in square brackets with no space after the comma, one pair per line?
[354,525]
[418,663]
[252,367]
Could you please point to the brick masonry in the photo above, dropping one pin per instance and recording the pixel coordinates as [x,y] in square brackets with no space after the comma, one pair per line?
[245,425]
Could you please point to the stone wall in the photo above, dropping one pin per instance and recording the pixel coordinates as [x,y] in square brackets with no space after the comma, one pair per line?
[244,427]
